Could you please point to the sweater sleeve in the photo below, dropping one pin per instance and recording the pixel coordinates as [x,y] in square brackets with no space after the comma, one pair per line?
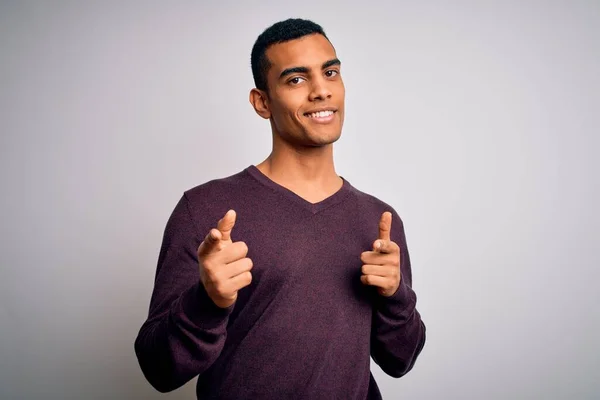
[185,330]
[397,332]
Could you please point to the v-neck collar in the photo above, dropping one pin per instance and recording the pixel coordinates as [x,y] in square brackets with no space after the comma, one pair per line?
[297,199]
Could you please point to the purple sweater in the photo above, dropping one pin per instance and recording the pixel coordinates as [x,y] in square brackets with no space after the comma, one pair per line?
[306,326]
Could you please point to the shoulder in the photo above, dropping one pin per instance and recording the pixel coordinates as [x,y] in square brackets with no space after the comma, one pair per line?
[369,211]
[371,205]
[218,188]
[209,201]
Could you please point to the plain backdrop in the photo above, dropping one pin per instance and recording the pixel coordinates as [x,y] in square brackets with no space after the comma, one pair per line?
[477,121]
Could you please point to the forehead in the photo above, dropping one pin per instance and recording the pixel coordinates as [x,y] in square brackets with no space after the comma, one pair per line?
[307,51]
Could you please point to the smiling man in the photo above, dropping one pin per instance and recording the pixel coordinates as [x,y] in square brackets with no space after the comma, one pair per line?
[282,280]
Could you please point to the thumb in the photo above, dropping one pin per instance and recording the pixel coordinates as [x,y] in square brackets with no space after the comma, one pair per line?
[225,224]
[385,225]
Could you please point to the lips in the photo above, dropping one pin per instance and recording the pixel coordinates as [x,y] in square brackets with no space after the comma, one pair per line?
[323,116]
[320,114]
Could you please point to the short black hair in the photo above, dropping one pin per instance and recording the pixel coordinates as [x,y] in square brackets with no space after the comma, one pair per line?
[283,31]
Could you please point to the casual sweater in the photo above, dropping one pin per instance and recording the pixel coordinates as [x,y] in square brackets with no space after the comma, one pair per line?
[306,326]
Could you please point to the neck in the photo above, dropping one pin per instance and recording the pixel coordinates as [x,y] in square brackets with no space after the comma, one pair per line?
[301,167]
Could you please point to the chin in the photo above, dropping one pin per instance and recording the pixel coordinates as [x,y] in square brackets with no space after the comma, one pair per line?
[323,140]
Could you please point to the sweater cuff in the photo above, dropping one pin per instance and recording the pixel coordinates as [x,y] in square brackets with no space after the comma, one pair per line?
[199,308]
[404,298]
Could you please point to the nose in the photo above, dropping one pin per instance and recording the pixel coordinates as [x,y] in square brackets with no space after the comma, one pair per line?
[320,90]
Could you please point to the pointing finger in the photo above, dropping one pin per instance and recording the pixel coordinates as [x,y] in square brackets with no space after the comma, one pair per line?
[209,244]
[385,246]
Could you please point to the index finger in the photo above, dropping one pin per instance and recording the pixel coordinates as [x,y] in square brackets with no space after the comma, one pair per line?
[209,243]
[386,246]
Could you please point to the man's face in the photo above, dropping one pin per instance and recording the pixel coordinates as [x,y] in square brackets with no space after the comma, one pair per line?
[306,91]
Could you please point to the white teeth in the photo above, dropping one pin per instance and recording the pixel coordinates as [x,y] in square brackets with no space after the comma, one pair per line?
[321,114]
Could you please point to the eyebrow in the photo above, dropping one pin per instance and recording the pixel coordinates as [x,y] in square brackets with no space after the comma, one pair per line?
[304,70]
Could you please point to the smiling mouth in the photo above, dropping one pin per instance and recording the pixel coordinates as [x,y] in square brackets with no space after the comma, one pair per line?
[320,114]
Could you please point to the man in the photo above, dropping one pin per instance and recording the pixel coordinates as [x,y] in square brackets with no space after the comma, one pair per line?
[280,282]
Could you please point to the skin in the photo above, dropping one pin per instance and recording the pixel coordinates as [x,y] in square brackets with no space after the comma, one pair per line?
[305,75]
[302,154]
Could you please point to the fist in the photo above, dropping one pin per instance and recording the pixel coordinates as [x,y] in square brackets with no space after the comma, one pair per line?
[224,267]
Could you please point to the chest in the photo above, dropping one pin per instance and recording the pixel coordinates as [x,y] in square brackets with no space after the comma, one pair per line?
[316,255]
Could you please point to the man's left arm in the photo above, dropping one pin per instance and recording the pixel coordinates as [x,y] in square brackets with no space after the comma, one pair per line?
[397,331]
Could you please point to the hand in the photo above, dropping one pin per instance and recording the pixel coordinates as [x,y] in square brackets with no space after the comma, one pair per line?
[224,267]
[382,265]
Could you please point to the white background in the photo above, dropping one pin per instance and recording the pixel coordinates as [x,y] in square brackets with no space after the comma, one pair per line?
[477,121]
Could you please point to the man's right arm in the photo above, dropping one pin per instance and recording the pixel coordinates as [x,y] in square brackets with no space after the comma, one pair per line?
[185,330]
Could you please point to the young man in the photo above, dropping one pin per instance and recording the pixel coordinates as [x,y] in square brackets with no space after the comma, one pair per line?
[280,282]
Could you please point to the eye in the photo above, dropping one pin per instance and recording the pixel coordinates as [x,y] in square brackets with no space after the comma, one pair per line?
[331,73]
[295,80]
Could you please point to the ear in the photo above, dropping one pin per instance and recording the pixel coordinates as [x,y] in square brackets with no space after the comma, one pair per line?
[260,102]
